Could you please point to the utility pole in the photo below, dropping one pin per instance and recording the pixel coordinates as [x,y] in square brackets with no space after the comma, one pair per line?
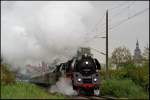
[107,72]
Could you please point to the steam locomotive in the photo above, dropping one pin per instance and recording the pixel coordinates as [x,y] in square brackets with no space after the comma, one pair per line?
[84,73]
[83,70]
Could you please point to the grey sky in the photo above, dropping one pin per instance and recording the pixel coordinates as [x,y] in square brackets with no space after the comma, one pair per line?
[90,13]
[127,33]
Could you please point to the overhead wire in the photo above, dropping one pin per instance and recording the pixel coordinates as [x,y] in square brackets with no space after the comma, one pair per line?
[124,20]
[101,19]
[120,5]
[122,10]
[130,17]
[120,22]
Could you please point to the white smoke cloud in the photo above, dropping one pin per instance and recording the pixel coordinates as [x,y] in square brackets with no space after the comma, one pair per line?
[42,31]
[64,86]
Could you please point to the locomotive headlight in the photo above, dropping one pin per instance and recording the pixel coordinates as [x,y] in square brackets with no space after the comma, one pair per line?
[95,79]
[86,62]
[79,79]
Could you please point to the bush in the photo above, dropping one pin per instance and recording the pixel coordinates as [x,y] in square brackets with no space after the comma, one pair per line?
[7,77]
[102,74]
[118,74]
[122,88]
[140,74]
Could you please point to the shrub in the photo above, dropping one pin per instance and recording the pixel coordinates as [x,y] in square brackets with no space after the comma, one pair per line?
[118,74]
[7,77]
[123,88]
[140,75]
[102,74]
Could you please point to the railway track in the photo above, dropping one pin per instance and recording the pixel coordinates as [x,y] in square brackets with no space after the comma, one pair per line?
[81,97]
[92,97]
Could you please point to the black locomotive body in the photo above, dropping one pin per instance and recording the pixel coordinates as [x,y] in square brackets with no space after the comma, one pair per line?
[85,76]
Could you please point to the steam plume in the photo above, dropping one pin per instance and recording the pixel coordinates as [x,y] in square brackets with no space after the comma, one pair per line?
[42,31]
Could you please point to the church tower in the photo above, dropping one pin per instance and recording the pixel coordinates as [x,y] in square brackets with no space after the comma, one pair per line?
[137,54]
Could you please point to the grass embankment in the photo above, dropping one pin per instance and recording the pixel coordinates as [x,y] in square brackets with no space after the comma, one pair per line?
[19,90]
[26,91]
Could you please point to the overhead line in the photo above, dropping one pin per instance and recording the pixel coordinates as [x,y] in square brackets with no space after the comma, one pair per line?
[130,17]
[120,5]
[104,15]
[98,22]
[122,10]
[119,23]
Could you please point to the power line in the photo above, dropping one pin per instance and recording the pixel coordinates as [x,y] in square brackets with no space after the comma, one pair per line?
[122,10]
[130,17]
[98,51]
[120,5]
[101,19]
[103,24]
[110,9]
[119,23]
[124,20]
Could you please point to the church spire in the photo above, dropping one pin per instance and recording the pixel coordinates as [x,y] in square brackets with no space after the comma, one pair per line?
[137,44]
[137,53]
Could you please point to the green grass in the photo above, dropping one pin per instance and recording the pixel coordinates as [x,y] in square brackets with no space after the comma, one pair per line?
[125,88]
[26,91]
[19,90]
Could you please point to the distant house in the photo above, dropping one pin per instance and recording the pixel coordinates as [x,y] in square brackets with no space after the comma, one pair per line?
[137,57]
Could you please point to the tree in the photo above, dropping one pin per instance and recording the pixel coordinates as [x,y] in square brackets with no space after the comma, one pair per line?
[121,56]
[146,53]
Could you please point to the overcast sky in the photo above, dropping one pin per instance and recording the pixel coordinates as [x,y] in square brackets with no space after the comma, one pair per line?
[128,32]
[92,15]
